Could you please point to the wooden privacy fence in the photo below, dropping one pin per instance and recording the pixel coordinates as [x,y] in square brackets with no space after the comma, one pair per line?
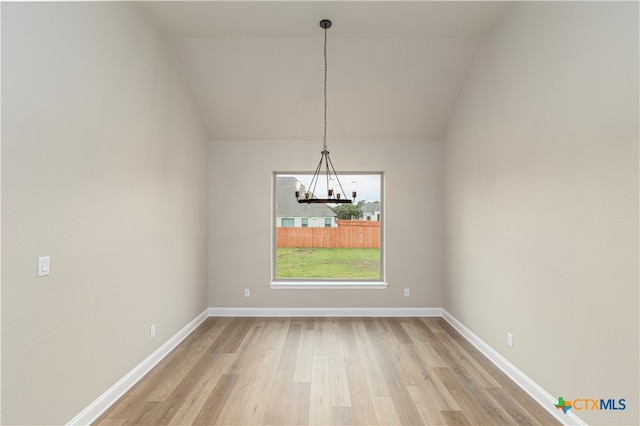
[348,234]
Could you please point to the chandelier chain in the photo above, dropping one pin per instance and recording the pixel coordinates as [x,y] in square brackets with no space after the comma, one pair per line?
[324,138]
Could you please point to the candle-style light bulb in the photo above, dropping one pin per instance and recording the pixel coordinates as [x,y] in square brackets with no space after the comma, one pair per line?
[298,189]
[330,187]
[354,188]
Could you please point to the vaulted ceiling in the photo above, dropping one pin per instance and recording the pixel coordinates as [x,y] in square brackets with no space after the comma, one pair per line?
[255,69]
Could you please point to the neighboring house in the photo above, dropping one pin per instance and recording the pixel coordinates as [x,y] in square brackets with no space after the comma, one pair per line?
[371,211]
[290,213]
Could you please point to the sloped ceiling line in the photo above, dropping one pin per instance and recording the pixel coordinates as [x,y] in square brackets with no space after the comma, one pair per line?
[395,68]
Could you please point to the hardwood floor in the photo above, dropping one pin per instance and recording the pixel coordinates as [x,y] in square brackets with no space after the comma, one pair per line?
[325,371]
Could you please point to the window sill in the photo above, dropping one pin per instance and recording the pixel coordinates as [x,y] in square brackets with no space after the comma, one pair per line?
[328,285]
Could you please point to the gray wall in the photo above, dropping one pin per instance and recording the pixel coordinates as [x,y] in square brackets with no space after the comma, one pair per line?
[241,222]
[104,168]
[542,199]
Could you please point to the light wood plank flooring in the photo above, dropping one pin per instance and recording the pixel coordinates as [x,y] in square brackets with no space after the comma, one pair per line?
[325,371]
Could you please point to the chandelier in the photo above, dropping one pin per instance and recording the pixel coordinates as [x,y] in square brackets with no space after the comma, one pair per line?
[325,169]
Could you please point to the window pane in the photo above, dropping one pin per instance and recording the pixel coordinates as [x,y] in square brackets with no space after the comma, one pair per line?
[288,222]
[328,242]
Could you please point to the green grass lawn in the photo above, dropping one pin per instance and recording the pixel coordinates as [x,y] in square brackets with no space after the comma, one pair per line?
[335,263]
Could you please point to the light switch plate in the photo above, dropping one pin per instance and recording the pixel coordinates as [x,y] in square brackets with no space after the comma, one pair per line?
[44,266]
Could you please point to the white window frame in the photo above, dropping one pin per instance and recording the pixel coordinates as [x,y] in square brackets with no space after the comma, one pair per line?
[328,283]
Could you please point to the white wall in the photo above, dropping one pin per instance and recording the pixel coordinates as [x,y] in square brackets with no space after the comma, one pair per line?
[104,168]
[312,222]
[241,221]
[541,191]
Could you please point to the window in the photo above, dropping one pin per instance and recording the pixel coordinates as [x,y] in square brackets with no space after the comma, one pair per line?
[326,245]
[288,222]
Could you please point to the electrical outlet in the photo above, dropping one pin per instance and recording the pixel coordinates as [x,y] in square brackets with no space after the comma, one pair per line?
[247,292]
[407,292]
[152,331]
[510,339]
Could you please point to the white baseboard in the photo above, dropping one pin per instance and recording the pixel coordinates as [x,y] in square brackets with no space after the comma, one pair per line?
[325,312]
[100,405]
[529,386]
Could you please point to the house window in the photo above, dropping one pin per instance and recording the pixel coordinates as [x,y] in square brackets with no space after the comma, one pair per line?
[288,222]
[328,244]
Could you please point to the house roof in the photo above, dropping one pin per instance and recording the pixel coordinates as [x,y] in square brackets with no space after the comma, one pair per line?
[287,206]
[371,207]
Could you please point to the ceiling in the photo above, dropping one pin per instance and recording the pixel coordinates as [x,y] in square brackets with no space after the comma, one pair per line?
[255,69]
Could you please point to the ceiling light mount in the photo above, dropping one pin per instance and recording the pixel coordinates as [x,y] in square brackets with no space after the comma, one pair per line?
[325,24]
[335,192]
